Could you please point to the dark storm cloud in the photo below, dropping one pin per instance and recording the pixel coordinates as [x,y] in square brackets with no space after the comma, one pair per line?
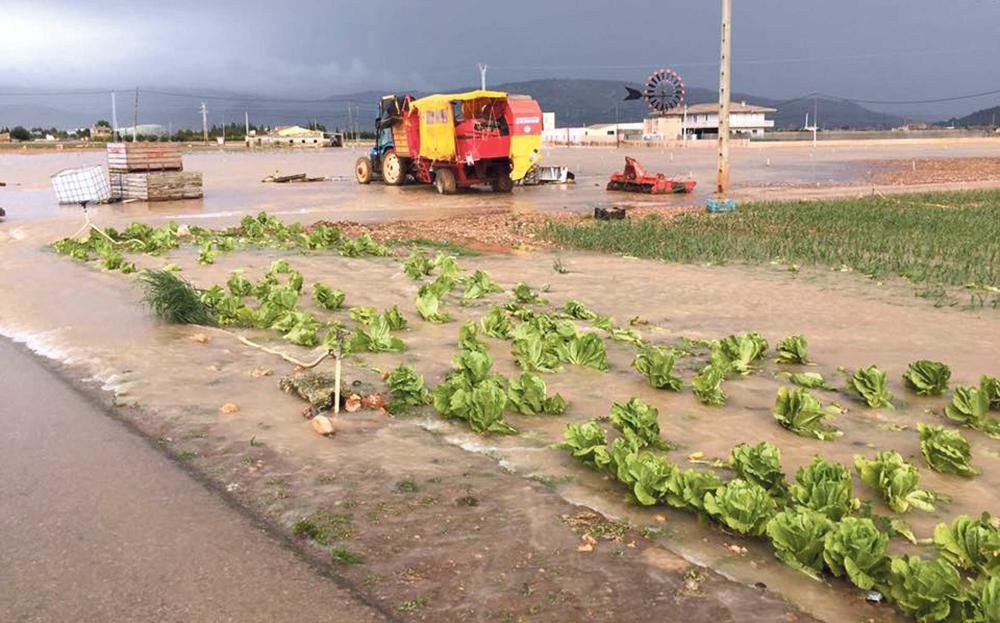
[877,49]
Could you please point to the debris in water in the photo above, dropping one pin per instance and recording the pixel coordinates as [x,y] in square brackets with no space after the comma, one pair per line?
[229,408]
[588,543]
[322,425]
[375,402]
[874,597]
[736,549]
[316,388]
[260,371]
[294,178]
[353,403]
[201,338]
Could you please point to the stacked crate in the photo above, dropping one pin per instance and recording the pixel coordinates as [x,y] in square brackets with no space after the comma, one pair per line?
[151,172]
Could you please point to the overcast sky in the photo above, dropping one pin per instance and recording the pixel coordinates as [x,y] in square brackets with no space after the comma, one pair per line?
[870,49]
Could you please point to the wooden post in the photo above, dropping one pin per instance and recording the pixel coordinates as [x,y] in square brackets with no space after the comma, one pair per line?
[722,179]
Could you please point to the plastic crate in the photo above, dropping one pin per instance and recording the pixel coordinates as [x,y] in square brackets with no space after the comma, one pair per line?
[83,185]
[717,206]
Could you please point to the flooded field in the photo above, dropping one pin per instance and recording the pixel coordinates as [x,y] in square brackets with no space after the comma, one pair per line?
[457,526]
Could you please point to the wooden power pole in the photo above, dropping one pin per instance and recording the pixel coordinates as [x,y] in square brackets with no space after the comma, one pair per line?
[722,180]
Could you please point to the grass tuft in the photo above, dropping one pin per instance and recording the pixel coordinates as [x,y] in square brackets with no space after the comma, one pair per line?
[175,300]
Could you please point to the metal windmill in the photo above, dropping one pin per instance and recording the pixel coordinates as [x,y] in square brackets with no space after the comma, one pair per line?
[663,91]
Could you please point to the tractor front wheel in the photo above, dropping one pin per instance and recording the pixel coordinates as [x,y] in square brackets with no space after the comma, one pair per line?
[393,169]
[444,181]
[502,183]
[363,170]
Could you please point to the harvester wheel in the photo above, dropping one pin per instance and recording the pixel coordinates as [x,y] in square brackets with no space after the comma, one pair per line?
[444,181]
[502,183]
[393,169]
[363,170]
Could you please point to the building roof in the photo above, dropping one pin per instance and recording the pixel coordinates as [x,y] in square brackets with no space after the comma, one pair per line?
[735,107]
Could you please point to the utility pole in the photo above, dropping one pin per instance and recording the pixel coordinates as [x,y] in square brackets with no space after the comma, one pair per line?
[684,125]
[350,122]
[246,118]
[114,118]
[482,76]
[618,140]
[135,115]
[722,179]
[204,123]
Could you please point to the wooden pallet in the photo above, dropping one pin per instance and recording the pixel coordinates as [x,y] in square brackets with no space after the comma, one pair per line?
[157,185]
[132,157]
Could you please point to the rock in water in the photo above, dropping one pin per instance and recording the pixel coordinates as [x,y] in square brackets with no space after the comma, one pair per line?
[316,388]
[323,425]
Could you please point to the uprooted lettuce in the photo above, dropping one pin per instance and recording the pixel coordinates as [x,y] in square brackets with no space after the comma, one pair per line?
[406,388]
[809,380]
[797,537]
[970,544]
[855,547]
[793,349]
[527,393]
[825,487]
[871,385]
[759,464]
[946,450]
[744,507]
[479,285]
[927,378]
[639,423]
[800,412]
[429,307]
[897,481]
[657,366]
[928,590]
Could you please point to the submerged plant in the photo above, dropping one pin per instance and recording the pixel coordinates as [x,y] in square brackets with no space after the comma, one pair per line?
[417,265]
[584,350]
[800,412]
[809,380]
[528,395]
[479,285]
[946,450]
[871,384]
[897,481]
[524,295]
[429,308]
[738,352]
[496,324]
[327,297]
[657,365]
[707,386]
[585,441]
[793,349]
[576,309]
[927,378]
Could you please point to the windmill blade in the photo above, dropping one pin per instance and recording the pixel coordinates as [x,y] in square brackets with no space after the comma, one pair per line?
[633,94]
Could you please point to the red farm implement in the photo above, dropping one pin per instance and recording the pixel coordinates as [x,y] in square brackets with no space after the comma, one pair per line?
[635,179]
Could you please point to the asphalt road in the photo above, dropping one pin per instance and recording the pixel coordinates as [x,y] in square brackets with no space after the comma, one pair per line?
[96,525]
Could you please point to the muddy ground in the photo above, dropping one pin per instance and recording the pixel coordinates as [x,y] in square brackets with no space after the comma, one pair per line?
[454,526]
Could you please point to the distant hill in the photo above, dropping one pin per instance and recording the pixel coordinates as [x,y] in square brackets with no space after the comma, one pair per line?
[575,102]
[987,117]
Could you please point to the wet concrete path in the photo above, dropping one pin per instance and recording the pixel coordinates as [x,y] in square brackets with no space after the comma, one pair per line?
[95,525]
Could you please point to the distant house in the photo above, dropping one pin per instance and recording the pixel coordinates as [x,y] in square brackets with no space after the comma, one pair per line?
[596,134]
[100,133]
[290,136]
[5,137]
[702,121]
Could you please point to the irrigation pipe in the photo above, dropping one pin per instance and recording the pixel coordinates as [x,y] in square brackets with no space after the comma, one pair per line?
[271,351]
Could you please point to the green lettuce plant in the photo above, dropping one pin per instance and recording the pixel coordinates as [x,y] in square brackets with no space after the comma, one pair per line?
[417,266]
[496,324]
[363,245]
[364,315]
[687,489]
[927,378]
[327,297]
[970,407]
[471,393]
[825,487]
[468,337]
[897,481]
[855,547]
[707,386]
[759,464]
[446,265]
[576,309]
[239,285]
[527,393]
[986,600]
[524,295]
[479,285]
[970,544]
[744,507]
[394,318]
[800,412]
[797,537]
[406,388]
[639,423]
[586,350]
[928,590]
[429,308]
[534,351]
[739,352]
[793,349]
[657,366]
[375,337]
[946,450]
[809,380]
[585,441]
[871,384]
[649,474]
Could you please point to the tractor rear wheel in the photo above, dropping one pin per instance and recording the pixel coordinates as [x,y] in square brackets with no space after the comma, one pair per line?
[444,181]
[393,169]
[363,170]
[502,183]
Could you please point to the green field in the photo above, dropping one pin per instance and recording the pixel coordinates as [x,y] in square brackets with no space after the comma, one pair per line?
[940,242]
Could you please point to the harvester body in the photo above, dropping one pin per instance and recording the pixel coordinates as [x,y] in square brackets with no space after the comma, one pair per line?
[455,140]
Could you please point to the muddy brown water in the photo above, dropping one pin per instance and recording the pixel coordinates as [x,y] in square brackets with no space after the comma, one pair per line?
[511,554]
